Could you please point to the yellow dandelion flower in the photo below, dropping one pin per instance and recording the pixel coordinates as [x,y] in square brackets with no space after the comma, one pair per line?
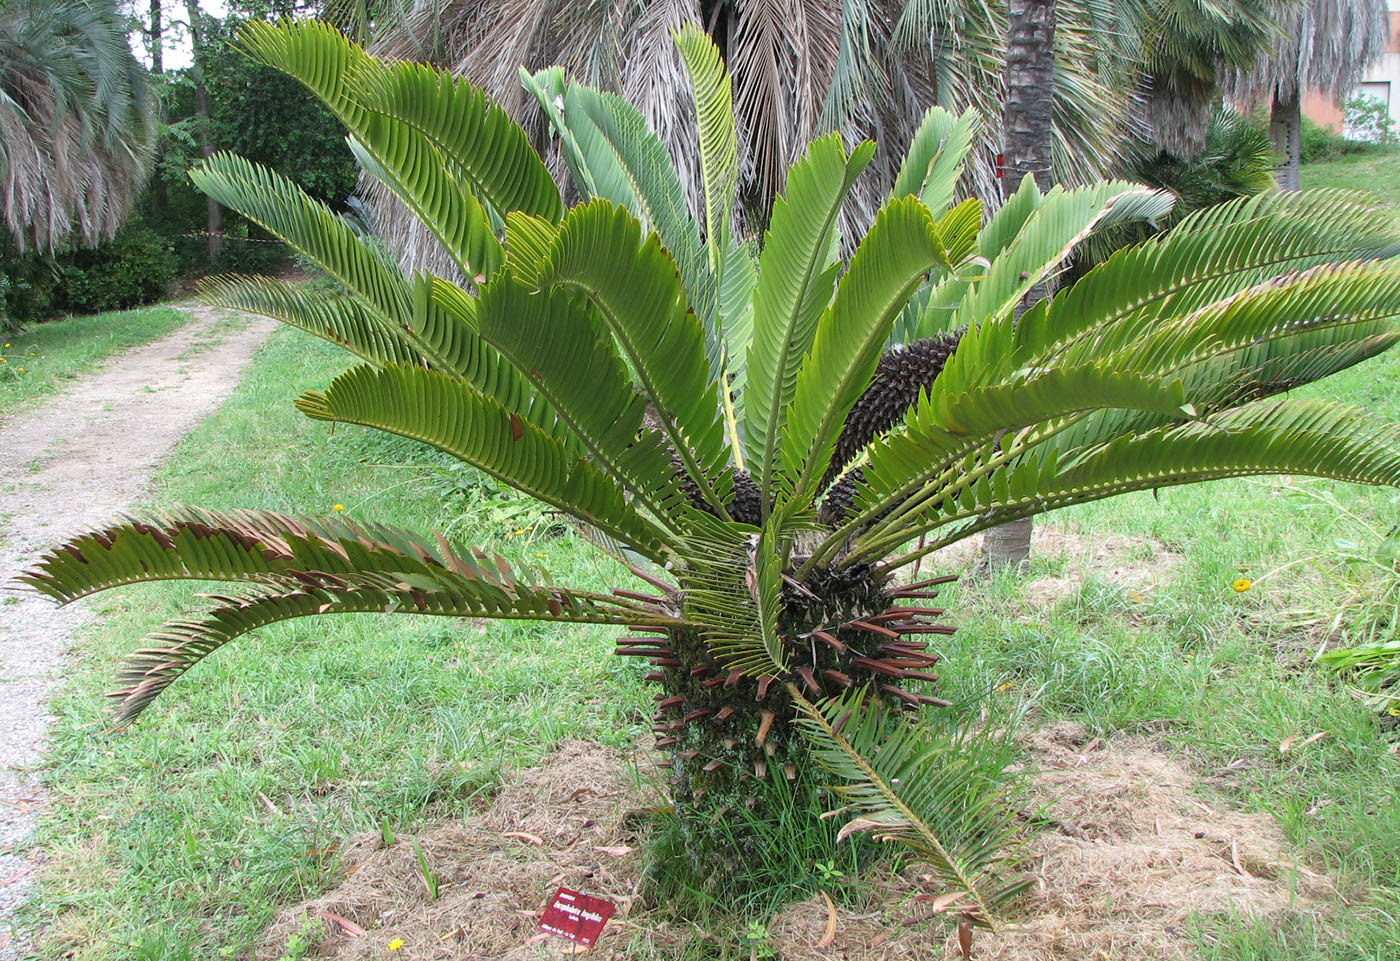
[538,554]
[395,944]
[1242,585]
[1004,687]
[1394,710]
[338,507]
[3,361]
[21,369]
[518,532]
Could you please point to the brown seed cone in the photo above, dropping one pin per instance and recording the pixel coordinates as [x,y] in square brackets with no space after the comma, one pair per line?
[903,371]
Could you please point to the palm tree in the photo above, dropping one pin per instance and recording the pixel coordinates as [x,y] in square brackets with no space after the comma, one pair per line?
[765,437]
[76,121]
[1324,45]
[1191,48]
[870,68]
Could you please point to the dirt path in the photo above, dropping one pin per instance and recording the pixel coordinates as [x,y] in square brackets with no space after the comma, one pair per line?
[74,462]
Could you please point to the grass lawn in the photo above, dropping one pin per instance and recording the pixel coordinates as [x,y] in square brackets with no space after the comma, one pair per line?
[42,359]
[180,837]
[1374,169]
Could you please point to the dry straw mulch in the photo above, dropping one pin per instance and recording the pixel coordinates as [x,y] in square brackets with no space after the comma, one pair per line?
[1135,856]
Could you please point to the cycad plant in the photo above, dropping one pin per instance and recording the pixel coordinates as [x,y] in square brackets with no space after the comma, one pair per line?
[766,436]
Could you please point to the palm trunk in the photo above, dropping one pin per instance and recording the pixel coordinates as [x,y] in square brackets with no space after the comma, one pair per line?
[1286,130]
[1028,134]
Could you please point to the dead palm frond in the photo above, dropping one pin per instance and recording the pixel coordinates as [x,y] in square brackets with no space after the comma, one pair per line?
[801,68]
[1323,45]
[76,121]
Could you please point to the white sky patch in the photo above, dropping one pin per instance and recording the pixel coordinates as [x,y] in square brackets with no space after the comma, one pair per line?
[176,45]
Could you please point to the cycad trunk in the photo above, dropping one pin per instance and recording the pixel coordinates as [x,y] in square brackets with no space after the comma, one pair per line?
[734,756]
[1029,133]
[1286,131]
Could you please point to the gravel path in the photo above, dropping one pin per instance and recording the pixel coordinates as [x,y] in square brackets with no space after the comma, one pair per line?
[72,463]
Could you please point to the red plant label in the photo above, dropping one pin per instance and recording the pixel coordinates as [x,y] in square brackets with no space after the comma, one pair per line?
[575,916]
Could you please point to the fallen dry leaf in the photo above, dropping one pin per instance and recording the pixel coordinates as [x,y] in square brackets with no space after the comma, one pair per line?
[534,839]
[830,935]
[345,924]
[617,852]
[1235,859]
[942,901]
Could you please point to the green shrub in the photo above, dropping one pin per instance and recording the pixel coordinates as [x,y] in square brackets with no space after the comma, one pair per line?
[135,268]
[27,284]
[1369,119]
[1323,143]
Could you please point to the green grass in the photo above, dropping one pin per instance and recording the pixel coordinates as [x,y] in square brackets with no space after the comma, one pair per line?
[164,848]
[43,359]
[1373,169]
[162,844]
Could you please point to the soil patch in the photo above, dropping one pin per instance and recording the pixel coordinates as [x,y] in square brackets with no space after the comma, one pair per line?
[1136,564]
[1133,857]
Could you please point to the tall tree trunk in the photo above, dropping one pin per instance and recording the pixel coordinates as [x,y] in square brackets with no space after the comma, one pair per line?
[1286,130]
[155,38]
[1028,135]
[215,215]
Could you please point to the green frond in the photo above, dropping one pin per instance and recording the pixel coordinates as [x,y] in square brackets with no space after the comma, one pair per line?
[934,163]
[458,220]
[893,259]
[558,342]
[632,281]
[529,241]
[1210,256]
[1230,278]
[327,62]
[1006,221]
[1259,370]
[952,440]
[479,140]
[732,586]
[343,320]
[713,93]
[617,157]
[937,788]
[959,228]
[308,226]
[451,416]
[1040,246]
[796,278]
[445,327]
[739,278]
[1290,436]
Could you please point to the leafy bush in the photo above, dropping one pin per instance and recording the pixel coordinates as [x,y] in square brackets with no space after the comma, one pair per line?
[766,438]
[27,283]
[1323,143]
[1369,120]
[136,268]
